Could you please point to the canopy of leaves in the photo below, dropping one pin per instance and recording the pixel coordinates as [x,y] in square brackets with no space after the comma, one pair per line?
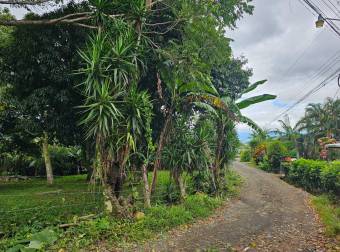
[39,63]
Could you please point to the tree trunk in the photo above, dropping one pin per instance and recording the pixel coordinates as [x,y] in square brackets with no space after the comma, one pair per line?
[160,147]
[181,185]
[147,200]
[218,155]
[177,177]
[47,158]
[148,4]
[112,205]
[297,149]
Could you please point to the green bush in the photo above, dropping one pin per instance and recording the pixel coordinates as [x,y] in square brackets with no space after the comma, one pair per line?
[315,176]
[265,165]
[65,161]
[245,155]
[275,151]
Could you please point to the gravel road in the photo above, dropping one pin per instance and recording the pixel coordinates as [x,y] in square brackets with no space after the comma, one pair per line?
[269,215]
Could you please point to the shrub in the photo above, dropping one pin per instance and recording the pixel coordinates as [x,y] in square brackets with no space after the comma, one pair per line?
[275,151]
[65,159]
[259,153]
[315,176]
[264,165]
[245,155]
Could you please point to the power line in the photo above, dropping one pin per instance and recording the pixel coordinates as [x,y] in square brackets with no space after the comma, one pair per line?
[326,67]
[327,4]
[302,53]
[329,22]
[320,12]
[309,93]
[336,93]
[323,69]
[325,15]
[334,6]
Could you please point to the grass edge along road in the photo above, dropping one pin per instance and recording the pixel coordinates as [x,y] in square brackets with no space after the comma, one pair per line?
[329,213]
[124,233]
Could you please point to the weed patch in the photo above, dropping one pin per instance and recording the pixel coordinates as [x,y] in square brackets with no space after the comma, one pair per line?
[329,212]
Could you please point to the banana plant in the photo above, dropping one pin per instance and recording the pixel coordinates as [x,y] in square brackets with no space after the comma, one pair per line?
[224,123]
[255,99]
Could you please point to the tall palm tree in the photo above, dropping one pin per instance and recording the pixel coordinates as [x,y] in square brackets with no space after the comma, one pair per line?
[320,120]
[289,132]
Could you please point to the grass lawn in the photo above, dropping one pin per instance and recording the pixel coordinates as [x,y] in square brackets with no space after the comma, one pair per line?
[28,207]
[34,203]
[329,212]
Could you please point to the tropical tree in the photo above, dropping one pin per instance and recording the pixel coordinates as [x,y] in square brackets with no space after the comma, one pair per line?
[232,77]
[186,63]
[289,133]
[320,120]
[37,64]
[225,126]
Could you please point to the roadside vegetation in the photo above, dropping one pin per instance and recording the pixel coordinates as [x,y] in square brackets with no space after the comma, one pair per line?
[329,211]
[59,211]
[127,110]
[300,154]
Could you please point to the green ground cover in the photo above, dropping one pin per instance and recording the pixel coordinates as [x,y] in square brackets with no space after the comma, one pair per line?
[30,207]
[328,209]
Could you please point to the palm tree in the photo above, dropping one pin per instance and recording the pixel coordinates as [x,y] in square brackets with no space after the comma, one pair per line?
[224,117]
[320,120]
[287,132]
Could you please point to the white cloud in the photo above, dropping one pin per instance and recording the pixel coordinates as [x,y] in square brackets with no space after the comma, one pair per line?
[282,45]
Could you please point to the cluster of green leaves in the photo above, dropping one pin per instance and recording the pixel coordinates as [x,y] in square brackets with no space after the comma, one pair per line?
[245,155]
[319,121]
[66,161]
[315,176]
[275,152]
[36,242]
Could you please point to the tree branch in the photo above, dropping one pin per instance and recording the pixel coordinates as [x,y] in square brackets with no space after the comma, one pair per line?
[73,18]
[85,25]
[24,2]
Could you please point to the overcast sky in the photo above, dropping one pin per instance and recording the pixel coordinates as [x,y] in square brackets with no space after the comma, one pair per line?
[282,45]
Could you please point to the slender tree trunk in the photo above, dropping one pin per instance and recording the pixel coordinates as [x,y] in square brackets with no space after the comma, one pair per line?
[47,158]
[176,175]
[160,147]
[147,200]
[148,4]
[181,185]
[297,149]
[218,155]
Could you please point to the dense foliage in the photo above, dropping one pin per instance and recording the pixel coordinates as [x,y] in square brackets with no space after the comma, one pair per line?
[136,87]
[245,155]
[40,207]
[315,176]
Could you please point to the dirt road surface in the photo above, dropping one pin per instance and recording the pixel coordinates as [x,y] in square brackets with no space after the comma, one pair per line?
[269,215]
